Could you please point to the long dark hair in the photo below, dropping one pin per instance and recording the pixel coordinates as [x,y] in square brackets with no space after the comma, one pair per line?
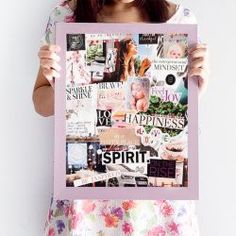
[157,10]
[122,52]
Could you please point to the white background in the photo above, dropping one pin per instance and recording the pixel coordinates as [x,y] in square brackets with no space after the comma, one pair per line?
[26,153]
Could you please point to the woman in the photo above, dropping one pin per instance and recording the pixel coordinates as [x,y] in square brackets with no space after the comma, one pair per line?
[127,53]
[126,56]
[106,217]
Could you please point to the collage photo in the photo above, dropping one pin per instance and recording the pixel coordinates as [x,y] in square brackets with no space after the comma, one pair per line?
[126,110]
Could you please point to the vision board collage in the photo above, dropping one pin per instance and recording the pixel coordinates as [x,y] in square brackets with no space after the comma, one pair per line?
[126,110]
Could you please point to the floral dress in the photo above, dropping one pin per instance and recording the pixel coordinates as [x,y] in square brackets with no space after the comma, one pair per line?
[118,217]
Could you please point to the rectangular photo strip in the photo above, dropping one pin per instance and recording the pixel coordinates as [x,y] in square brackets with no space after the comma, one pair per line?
[125,112]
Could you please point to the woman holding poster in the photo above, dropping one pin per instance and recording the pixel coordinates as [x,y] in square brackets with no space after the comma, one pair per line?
[112,217]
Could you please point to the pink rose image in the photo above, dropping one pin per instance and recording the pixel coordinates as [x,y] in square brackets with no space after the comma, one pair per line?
[157,231]
[51,232]
[159,202]
[174,228]
[88,206]
[127,205]
[67,211]
[75,217]
[76,57]
[75,220]
[127,228]
[166,209]
[111,220]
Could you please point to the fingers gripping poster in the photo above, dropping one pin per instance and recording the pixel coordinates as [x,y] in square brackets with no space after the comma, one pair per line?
[125,112]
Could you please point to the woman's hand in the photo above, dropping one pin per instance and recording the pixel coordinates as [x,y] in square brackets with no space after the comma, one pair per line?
[145,64]
[49,62]
[198,65]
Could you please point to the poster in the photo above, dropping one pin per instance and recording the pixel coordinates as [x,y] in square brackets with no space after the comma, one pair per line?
[125,112]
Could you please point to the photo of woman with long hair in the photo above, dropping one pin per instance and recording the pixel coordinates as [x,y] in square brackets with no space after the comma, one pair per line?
[116,217]
[127,53]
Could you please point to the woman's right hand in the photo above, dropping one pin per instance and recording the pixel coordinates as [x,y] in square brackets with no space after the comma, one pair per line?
[145,65]
[49,62]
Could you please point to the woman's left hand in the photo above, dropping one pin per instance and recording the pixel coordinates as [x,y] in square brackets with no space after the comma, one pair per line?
[198,65]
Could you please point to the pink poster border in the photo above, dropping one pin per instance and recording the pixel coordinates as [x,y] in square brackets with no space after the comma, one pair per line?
[146,193]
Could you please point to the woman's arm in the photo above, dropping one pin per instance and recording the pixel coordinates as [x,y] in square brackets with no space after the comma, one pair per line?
[43,92]
[43,96]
